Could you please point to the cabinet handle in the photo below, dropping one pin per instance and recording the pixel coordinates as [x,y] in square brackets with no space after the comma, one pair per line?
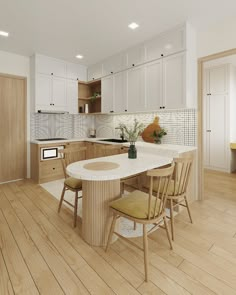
[208,131]
[77,79]
[53,168]
[162,54]
[125,110]
[93,78]
[111,111]
[164,107]
[51,73]
[133,65]
[208,93]
[111,72]
[160,107]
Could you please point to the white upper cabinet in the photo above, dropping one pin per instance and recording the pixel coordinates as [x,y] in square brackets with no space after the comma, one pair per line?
[95,72]
[136,89]
[107,94]
[120,92]
[174,86]
[114,64]
[72,96]
[135,56]
[76,72]
[50,66]
[153,81]
[166,44]
[54,85]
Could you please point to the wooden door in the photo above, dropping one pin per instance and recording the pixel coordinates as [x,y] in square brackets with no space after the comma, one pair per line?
[153,81]
[12,128]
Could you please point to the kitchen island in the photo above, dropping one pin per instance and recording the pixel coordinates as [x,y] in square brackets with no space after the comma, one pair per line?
[101,185]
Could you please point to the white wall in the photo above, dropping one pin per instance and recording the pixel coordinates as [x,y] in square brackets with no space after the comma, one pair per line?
[216,38]
[14,64]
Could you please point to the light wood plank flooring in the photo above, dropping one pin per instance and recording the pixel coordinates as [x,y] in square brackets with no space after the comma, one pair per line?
[40,253]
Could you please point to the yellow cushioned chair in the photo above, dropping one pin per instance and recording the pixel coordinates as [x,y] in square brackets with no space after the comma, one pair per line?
[69,156]
[144,208]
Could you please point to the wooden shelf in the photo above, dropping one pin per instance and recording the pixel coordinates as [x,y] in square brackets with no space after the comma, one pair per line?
[90,98]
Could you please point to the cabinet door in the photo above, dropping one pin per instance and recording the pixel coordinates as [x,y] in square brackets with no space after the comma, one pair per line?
[50,66]
[114,64]
[72,96]
[174,81]
[43,92]
[136,89]
[59,94]
[165,44]
[107,95]
[76,72]
[135,56]
[120,92]
[153,81]
[95,72]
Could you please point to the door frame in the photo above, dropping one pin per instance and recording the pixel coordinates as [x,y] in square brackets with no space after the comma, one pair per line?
[24,79]
[200,116]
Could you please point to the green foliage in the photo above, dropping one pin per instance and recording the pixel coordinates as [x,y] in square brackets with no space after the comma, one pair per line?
[131,133]
[158,134]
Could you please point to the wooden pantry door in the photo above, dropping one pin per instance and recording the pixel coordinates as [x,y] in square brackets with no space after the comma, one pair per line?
[12,128]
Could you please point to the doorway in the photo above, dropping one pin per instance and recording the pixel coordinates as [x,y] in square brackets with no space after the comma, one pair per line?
[201,127]
[12,128]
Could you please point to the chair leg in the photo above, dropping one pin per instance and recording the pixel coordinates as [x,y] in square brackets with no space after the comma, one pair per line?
[122,188]
[75,208]
[111,232]
[167,232]
[172,219]
[62,198]
[187,205]
[145,248]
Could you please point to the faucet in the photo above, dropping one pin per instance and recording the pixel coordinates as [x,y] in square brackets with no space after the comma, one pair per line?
[122,136]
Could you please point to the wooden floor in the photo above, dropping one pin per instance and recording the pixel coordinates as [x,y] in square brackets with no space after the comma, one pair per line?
[40,253]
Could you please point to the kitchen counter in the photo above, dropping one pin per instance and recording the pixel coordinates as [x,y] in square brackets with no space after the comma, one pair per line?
[233,145]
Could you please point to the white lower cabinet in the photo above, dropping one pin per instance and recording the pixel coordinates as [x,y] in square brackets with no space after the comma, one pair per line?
[136,89]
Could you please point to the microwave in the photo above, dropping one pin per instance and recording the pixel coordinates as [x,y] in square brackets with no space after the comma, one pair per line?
[51,153]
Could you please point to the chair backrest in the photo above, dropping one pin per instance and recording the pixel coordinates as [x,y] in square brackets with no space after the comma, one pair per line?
[70,155]
[162,178]
[110,150]
[181,176]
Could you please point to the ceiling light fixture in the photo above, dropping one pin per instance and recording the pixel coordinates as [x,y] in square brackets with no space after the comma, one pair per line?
[133,26]
[79,56]
[4,34]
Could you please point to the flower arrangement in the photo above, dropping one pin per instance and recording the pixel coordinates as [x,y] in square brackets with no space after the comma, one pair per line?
[131,133]
[158,134]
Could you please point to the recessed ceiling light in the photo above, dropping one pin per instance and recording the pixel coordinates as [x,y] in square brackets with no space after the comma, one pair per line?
[79,56]
[133,26]
[5,34]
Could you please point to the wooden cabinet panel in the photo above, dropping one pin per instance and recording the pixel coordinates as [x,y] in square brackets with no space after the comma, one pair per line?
[75,145]
[50,170]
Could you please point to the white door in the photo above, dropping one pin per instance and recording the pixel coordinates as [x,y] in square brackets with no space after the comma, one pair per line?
[95,72]
[135,56]
[153,81]
[174,70]
[107,95]
[120,92]
[136,89]
[72,96]
[43,92]
[59,94]
[216,118]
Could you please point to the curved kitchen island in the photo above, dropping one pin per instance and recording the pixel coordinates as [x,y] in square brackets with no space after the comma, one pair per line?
[101,185]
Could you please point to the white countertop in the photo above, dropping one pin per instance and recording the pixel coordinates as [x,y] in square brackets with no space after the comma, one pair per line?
[127,167]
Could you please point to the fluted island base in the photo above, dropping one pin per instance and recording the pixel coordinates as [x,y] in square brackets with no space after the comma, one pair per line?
[96,215]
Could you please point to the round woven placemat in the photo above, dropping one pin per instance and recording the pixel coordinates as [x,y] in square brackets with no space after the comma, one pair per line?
[101,166]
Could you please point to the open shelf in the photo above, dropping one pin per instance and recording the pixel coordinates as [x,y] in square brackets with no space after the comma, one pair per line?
[87,91]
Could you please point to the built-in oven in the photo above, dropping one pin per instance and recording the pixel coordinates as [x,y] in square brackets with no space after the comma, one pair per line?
[50,153]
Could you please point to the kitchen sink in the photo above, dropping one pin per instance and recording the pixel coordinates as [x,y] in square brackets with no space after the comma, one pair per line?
[114,140]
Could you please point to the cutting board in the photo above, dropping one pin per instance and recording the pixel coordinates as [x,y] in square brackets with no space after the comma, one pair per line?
[148,131]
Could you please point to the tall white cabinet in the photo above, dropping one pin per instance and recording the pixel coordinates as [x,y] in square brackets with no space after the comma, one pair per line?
[216,118]
[54,84]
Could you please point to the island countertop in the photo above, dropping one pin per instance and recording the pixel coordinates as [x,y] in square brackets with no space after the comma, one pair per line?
[121,166]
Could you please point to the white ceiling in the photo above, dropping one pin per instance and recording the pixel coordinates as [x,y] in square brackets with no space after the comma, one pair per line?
[97,28]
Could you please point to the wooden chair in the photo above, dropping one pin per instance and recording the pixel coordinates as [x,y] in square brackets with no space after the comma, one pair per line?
[145,209]
[69,156]
[177,193]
